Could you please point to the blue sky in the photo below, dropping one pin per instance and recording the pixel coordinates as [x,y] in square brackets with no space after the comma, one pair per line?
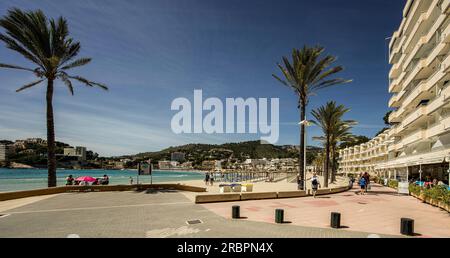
[150,52]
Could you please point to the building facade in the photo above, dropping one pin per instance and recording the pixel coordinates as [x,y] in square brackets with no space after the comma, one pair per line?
[177,156]
[419,137]
[365,157]
[5,151]
[78,151]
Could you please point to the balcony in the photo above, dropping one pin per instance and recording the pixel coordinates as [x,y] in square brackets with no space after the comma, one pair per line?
[416,114]
[439,128]
[446,34]
[395,70]
[393,102]
[414,137]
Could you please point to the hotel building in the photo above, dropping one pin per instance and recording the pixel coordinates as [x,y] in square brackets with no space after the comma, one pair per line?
[78,151]
[5,151]
[419,138]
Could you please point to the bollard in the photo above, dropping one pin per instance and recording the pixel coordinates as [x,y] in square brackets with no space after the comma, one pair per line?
[335,220]
[279,216]
[407,226]
[235,212]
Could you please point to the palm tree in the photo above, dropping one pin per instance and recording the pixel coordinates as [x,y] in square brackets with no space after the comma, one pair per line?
[341,133]
[46,43]
[307,74]
[334,129]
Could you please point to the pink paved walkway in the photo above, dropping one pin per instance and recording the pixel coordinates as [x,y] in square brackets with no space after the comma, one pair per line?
[377,212]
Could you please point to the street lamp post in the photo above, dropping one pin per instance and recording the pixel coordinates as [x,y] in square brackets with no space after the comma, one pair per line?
[420,171]
[448,170]
[306,123]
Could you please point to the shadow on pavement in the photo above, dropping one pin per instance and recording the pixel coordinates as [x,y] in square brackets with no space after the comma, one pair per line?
[155,191]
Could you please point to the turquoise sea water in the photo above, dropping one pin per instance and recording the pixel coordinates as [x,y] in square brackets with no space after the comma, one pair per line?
[27,179]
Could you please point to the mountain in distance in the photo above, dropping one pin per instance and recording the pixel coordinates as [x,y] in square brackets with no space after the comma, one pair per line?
[241,151]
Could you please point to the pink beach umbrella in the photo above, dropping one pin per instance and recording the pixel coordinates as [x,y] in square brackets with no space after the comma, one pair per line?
[86,179]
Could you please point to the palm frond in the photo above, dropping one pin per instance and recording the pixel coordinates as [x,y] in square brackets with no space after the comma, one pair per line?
[67,82]
[14,45]
[77,63]
[87,82]
[29,85]
[16,67]
[307,72]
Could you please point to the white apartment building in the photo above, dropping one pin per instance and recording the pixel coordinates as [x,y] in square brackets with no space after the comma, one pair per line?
[366,157]
[5,151]
[78,151]
[419,138]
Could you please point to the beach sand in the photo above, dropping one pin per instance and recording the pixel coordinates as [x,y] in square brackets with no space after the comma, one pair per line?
[259,187]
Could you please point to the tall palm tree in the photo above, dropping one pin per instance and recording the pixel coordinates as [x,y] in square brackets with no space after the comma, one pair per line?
[334,129]
[307,74]
[341,133]
[46,43]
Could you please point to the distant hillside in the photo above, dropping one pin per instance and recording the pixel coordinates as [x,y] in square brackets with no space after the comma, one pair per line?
[237,151]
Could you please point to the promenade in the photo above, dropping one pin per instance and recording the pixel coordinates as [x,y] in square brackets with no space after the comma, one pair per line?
[166,214]
[379,211]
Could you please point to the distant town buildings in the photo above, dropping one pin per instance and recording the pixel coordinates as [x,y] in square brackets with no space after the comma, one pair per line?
[212,165]
[78,151]
[177,156]
[165,164]
[22,144]
[5,151]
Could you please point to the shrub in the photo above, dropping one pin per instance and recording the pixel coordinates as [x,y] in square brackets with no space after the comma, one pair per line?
[437,193]
[393,183]
[415,189]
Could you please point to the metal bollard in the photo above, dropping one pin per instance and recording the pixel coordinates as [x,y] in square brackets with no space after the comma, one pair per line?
[235,212]
[335,220]
[407,226]
[279,216]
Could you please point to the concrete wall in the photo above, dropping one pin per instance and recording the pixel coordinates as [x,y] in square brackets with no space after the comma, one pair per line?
[217,198]
[96,188]
[292,194]
[210,198]
[258,196]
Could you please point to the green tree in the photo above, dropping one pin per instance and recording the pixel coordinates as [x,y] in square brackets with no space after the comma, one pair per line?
[386,118]
[46,44]
[386,123]
[307,73]
[353,141]
[334,129]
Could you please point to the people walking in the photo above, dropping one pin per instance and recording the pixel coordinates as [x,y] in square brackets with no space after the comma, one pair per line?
[206,178]
[315,183]
[367,179]
[211,179]
[362,184]
[131,180]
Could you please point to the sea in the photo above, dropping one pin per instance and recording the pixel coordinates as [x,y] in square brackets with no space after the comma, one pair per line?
[28,179]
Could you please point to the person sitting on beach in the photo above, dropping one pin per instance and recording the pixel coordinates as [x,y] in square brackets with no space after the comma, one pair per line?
[96,182]
[105,180]
[69,180]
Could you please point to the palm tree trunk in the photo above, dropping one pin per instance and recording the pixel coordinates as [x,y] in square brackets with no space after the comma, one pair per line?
[51,158]
[327,162]
[302,148]
[333,164]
